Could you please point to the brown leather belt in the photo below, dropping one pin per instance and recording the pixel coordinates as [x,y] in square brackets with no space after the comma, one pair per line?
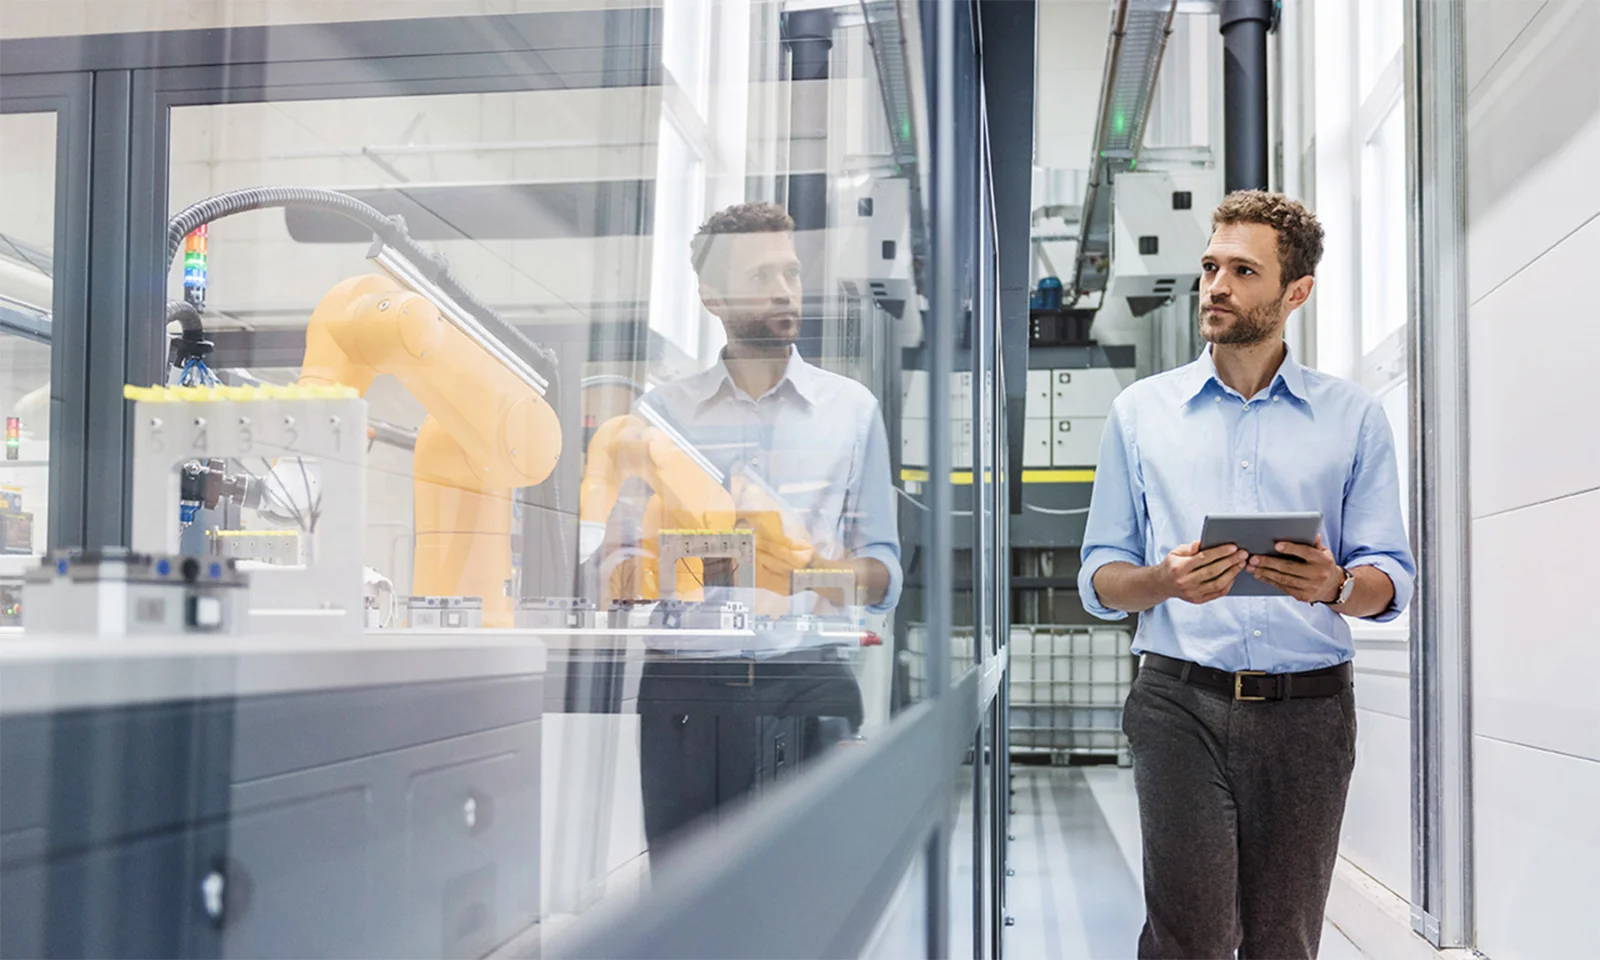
[1255,684]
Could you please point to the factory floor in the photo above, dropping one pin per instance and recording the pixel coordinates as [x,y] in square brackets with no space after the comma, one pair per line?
[1077,890]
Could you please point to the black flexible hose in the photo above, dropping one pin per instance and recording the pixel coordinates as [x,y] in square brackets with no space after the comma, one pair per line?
[391,230]
[192,343]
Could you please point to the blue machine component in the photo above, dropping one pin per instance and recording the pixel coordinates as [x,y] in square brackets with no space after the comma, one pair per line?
[1047,296]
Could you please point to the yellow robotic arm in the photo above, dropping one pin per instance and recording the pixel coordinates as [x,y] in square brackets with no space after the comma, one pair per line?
[684,496]
[487,433]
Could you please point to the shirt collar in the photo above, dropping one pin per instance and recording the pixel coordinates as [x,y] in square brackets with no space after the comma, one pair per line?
[1204,372]
[799,376]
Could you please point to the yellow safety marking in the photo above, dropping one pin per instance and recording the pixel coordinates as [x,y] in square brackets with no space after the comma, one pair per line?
[964,477]
[704,533]
[215,394]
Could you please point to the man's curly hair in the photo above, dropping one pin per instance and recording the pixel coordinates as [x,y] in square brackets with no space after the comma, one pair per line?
[1299,233]
[710,259]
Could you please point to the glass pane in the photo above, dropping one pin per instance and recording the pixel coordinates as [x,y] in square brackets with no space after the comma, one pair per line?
[1383,232]
[1381,23]
[561,440]
[27,287]
[903,929]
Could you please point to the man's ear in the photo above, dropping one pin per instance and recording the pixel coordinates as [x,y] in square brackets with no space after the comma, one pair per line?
[1300,292]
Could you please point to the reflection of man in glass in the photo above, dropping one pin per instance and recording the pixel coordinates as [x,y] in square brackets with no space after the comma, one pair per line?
[807,462]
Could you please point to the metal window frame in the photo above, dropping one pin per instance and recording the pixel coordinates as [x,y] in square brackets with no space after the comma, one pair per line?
[1441,680]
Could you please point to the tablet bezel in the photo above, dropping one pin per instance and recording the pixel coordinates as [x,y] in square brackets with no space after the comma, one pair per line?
[1258,533]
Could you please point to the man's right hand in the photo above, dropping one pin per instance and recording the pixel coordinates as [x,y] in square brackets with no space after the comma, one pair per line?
[1201,576]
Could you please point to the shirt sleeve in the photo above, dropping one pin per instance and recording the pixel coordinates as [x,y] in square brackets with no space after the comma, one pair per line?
[871,528]
[1115,530]
[1373,532]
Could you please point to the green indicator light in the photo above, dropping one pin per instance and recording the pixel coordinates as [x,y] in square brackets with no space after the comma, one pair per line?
[1119,124]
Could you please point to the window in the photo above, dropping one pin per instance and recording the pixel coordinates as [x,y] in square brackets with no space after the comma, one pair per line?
[1383,232]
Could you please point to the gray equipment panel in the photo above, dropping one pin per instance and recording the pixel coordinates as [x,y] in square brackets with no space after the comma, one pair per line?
[367,822]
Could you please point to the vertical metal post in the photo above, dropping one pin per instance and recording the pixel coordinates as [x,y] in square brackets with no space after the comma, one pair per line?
[1244,81]
[945,306]
[982,362]
[105,481]
[1441,709]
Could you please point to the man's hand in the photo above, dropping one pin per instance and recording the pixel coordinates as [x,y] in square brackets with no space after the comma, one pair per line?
[1314,576]
[1200,576]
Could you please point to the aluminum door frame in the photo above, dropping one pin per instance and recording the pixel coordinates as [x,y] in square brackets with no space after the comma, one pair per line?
[1441,676]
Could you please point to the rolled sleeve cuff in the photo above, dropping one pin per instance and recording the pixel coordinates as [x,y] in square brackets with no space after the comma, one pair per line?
[1398,575]
[890,558]
[1092,562]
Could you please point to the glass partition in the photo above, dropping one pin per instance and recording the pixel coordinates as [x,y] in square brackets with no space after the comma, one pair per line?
[535,455]
[27,303]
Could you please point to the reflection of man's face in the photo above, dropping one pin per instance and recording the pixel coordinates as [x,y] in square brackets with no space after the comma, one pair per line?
[759,298]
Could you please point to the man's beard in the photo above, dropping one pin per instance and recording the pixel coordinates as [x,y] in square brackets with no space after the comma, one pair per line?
[765,336]
[1249,327]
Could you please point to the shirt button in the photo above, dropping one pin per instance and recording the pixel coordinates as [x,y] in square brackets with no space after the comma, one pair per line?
[1258,633]
[1245,464]
[1216,399]
[1247,405]
[1276,399]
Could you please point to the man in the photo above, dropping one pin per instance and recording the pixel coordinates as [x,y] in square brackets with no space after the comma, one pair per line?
[807,459]
[1240,799]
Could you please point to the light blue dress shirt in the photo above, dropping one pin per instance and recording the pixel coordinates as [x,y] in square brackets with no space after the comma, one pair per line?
[816,440]
[1182,445]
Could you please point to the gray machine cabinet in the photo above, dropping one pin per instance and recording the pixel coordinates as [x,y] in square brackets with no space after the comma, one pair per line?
[387,821]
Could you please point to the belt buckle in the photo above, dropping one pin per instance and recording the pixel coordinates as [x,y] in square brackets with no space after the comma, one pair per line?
[750,676]
[1238,683]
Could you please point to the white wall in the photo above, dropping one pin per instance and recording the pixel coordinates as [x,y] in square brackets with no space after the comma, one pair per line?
[1533,198]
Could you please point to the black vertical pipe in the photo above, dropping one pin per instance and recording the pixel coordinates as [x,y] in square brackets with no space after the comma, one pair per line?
[809,36]
[1244,91]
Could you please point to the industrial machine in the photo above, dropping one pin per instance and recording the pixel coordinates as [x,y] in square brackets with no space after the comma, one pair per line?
[489,430]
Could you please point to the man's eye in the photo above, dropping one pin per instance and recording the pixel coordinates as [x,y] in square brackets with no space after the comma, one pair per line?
[1209,267]
[1247,271]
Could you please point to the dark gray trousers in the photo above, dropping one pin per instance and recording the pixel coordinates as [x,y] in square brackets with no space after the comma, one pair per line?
[1239,806]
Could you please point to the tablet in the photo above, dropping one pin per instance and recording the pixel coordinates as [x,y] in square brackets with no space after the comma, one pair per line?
[1259,533]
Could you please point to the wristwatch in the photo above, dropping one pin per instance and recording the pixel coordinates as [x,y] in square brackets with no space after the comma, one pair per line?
[1345,588]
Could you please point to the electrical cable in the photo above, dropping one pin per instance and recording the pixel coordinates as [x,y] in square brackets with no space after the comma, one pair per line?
[1073,512]
[288,498]
[313,502]
[613,380]
[390,230]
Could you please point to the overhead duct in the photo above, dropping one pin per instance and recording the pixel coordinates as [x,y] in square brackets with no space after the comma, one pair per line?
[1245,24]
[1139,31]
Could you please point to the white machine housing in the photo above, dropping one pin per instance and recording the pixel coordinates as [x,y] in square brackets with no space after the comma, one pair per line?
[257,425]
[873,258]
[1150,207]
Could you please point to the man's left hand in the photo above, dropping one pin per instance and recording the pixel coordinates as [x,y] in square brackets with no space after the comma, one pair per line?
[1313,576]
